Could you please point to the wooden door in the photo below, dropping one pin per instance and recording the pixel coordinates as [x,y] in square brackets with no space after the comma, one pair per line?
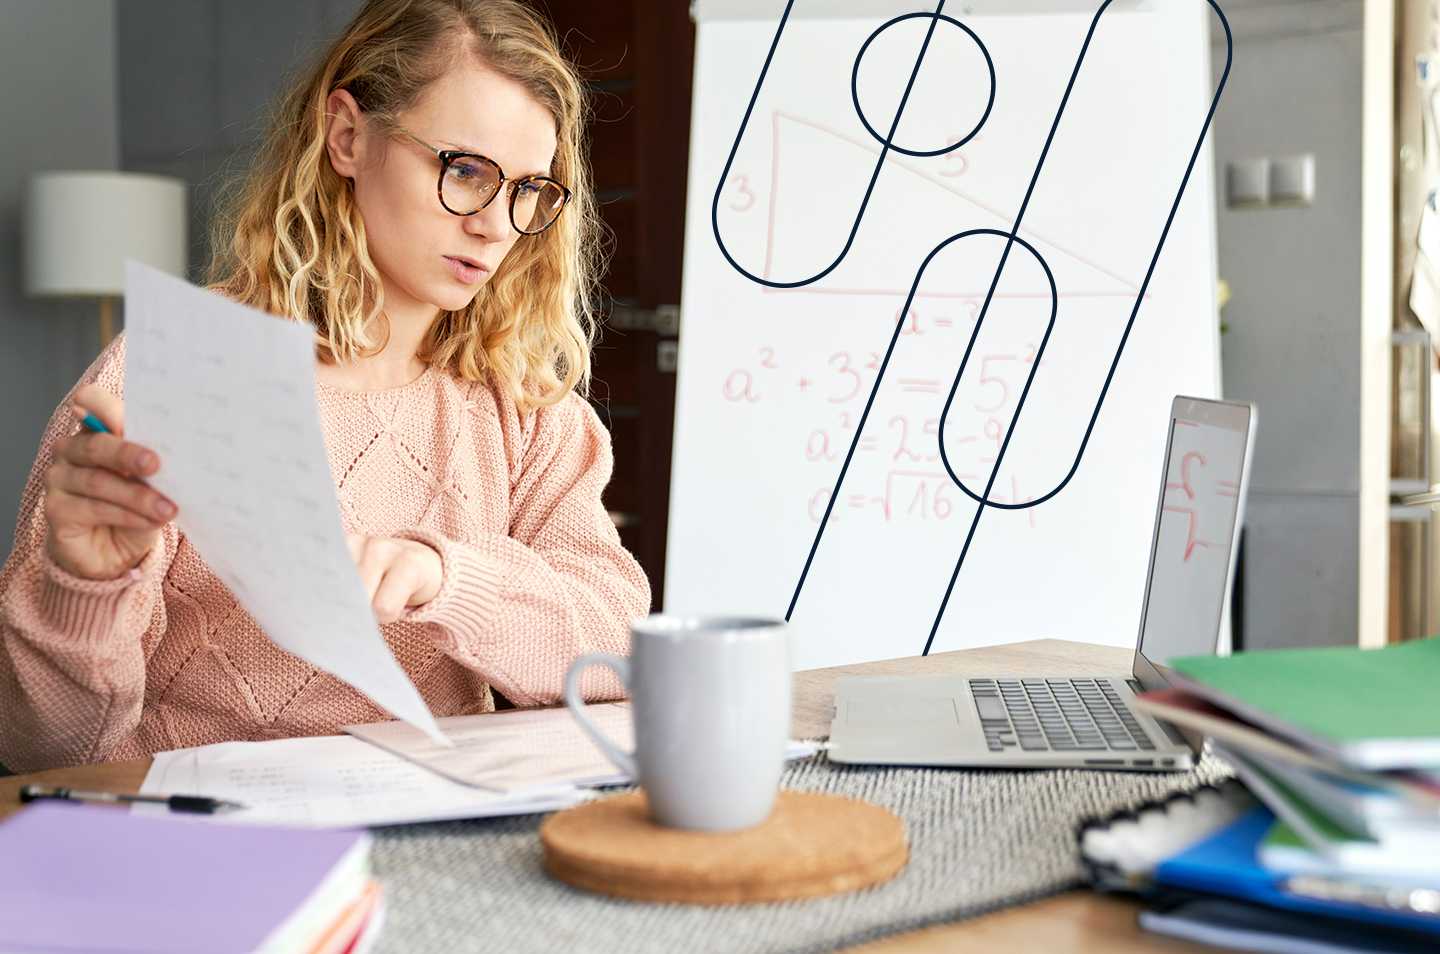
[637,56]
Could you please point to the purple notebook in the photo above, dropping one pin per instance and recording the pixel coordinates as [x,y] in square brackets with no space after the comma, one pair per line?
[82,878]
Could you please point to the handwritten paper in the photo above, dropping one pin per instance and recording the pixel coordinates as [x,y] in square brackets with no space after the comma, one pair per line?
[332,782]
[226,396]
[512,750]
[515,750]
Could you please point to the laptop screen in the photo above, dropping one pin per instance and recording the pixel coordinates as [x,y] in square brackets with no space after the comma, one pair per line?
[1192,551]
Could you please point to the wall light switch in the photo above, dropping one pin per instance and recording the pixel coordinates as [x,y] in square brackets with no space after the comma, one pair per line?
[1292,180]
[1247,182]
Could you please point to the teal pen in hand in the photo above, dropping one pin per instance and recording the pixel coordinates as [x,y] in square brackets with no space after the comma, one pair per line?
[92,423]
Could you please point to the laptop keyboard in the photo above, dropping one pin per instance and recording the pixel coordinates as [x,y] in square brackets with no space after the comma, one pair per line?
[1060,715]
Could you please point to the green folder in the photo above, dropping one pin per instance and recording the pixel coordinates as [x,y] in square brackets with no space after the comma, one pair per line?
[1365,708]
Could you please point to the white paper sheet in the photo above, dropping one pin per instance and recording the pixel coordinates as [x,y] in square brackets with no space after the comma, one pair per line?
[332,782]
[226,396]
[515,750]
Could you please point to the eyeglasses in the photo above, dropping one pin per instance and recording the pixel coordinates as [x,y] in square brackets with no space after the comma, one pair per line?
[469,182]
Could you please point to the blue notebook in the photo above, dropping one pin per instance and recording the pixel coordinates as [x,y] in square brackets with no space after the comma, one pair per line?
[1226,863]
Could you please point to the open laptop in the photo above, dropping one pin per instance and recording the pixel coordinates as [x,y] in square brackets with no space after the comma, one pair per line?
[1068,721]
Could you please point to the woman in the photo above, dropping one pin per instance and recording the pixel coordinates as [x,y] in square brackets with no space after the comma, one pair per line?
[423,201]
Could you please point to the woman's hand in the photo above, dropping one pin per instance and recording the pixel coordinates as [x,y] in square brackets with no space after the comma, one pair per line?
[102,518]
[397,573]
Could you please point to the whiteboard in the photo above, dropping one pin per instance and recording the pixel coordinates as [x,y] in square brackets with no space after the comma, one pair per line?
[773,382]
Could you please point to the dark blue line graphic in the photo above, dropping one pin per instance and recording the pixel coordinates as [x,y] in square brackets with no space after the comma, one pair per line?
[874,176]
[855,87]
[1011,238]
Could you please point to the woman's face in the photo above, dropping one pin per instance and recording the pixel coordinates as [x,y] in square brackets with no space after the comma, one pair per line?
[428,257]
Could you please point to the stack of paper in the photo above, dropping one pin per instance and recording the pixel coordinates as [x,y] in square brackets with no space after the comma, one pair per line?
[333,782]
[1342,745]
[84,878]
[508,763]
[514,751]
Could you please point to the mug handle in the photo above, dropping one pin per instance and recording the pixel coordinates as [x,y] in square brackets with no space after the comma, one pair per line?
[623,760]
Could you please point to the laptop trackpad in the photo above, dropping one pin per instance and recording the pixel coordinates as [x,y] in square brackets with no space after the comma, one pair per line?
[900,711]
[903,722]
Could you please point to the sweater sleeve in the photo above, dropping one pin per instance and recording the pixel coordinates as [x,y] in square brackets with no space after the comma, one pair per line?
[72,651]
[520,608]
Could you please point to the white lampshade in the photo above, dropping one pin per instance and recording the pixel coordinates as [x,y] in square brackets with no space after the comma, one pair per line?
[80,227]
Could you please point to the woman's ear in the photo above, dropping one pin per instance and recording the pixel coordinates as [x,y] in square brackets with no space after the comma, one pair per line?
[342,137]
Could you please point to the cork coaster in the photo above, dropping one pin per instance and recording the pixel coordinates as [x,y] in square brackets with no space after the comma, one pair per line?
[811,845]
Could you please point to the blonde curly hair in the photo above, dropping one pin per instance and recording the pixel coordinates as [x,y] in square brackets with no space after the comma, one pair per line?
[290,240]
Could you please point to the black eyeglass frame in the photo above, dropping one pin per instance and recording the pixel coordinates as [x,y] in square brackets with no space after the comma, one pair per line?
[447,158]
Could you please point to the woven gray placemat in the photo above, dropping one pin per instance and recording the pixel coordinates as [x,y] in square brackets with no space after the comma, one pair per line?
[979,840]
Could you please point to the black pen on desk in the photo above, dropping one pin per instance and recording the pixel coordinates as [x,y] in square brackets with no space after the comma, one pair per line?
[194,804]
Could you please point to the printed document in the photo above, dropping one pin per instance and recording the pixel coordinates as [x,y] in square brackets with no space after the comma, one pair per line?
[332,781]
[226,396]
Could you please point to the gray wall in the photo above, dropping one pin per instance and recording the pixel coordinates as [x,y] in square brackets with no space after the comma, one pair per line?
[197,78]
[58,111]
[176,87]
[1293,344]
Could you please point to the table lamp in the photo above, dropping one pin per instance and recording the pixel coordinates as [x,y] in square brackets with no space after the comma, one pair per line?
[80,227]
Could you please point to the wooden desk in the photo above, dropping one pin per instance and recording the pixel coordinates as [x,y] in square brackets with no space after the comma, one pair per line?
[1070,923]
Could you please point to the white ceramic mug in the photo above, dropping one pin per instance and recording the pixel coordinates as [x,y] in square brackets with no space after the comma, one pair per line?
[710,698]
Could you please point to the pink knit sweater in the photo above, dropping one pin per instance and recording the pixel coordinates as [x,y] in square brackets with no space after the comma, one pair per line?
[534,575]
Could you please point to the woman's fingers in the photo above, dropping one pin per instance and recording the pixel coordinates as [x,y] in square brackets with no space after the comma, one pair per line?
[104,485]
[389,578]
[370,561]
[67,510]
[104,405]
[110,452]
[393,594]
